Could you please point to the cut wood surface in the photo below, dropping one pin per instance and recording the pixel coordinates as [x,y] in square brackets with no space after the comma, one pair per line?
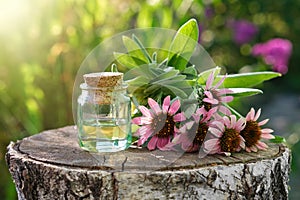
[51,165]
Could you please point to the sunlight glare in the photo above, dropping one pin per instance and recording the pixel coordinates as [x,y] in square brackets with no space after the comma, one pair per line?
[12,14]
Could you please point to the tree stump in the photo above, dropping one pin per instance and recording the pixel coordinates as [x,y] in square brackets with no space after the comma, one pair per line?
[51,165]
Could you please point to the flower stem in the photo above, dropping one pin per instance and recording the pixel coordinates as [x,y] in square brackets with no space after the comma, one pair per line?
[233,111]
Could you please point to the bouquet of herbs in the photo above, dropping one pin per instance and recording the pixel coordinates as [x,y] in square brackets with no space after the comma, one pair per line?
[178,106]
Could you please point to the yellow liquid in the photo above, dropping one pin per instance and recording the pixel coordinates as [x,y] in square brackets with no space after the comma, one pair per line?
[105,132]
[105,136]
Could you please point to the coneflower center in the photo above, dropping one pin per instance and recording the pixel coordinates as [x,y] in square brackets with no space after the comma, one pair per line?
[207,106]
[163,125]
[230,140]
[200,134]
[251,133]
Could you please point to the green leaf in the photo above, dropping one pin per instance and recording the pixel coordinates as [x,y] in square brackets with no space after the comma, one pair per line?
[143,49]
[163,64]
[166,75]
[233,110]
[183,45]
[245,80]
[243,92]
[143,70]
[182,85]
[171,80]
[190,72]
[176,81]
[203,76]
[134,49]
[277,139]
[176,91]
[152,89]
[127,61]
[154,57]
[138,81]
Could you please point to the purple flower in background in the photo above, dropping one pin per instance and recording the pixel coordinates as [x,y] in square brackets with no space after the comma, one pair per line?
[209,12]
[275,52]
[243,30]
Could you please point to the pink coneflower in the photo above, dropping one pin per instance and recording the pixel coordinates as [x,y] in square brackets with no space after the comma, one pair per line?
[227,136]
[158,123]
[192,134]
[252,133]
[215,96]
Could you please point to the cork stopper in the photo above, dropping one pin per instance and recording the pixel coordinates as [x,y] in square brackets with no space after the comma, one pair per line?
[104,79]
[102,85]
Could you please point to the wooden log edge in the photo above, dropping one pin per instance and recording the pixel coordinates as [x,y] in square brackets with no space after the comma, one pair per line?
[252,178]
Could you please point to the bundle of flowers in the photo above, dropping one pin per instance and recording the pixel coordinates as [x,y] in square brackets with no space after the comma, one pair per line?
[179,106]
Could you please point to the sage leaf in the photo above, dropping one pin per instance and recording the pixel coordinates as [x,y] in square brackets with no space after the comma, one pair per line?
[244,92]
[246,80]
[183,45]
[134,49]
[127,61]
[143,49]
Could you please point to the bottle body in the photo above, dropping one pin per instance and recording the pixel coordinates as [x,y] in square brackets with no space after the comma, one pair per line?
[104,119]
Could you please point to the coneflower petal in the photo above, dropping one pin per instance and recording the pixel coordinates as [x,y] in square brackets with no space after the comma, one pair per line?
[219,125]
[196,117]
[232,121]
[224,110]
[212,101]
[166,104]
[145,137]
[208,94]
[212,111]
[266,130]
[145,111]
[174,107]
[220,82]
[179,117]
[225,91]
[144,129]
[257,114]
[253,148]
[263,122]
[250,115]
[267,136]
[226,122]
[240,124]
[211,144]
[161,142]
[262,145]
[141,120]
[248,149]
[209,81]
[152,143]
[242,143]
[154,106]
[213,151]
[215,132]
[227,99]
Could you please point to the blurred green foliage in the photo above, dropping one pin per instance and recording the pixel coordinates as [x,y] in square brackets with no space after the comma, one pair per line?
[44,42]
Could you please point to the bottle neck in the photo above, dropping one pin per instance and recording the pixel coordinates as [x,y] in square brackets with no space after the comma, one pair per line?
[103,95]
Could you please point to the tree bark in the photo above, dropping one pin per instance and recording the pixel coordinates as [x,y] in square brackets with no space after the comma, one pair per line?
[51,165]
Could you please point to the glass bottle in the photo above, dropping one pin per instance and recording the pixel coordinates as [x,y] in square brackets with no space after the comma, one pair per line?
[104,114]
